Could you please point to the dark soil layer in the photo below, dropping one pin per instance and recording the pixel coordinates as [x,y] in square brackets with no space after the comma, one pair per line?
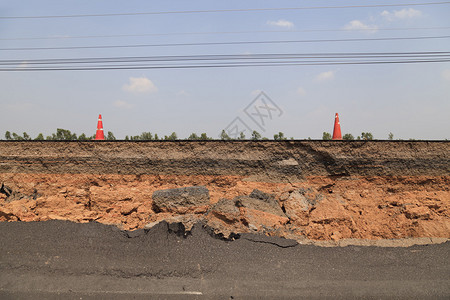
[268,160]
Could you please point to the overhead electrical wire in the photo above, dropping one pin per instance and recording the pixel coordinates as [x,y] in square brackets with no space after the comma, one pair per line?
[225,43]
[269,64]
[223,61]
[227,57]
[216,33]
[224,10]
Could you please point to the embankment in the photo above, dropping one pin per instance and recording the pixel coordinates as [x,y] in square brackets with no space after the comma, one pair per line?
[317,190]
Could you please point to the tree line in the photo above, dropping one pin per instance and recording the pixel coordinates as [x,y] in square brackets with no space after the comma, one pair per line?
[67,135]
[367,136]
[59,135]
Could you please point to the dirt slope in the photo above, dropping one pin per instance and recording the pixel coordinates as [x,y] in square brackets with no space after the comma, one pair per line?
[323,190]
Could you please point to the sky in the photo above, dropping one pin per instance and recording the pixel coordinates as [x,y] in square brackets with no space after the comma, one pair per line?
[411,100]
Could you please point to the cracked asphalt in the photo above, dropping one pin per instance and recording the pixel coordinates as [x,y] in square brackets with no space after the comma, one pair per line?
[64,260]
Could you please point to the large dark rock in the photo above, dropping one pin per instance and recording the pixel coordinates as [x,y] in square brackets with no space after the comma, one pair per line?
[193,199]
[260,201]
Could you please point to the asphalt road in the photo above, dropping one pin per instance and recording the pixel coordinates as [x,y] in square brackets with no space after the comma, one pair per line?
[64,260]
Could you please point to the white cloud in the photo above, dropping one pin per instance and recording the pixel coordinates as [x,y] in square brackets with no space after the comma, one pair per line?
[281,23]
[301,91]
[324,76]
[406,13]
[446,74]
[122,104]
[140,85]
[358,25]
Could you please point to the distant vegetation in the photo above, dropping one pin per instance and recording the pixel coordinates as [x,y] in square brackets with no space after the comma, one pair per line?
[67,135]
[348,136]
[60,135]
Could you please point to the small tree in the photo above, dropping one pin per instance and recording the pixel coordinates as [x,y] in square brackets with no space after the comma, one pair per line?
[82,137]
[367,136]
[26,136]
[17,137]
[348,136]
[110,136]
[193,136]
[8,136]
[146,136]
[326,136]
[279,136]
[171,137]
[156,137]
[40,137]
[62,135]
[390,136]
[224,136]
[204,136]
[256,135]
[241,136]
[127,138]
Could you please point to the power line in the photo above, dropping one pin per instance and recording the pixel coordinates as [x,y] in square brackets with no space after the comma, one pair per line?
[223,65]
[221,57]
[226,43]
[216,33]
[224,10]
[224,61]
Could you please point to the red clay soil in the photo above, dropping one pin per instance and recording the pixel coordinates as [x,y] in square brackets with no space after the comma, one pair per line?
[363,208]
[365,195]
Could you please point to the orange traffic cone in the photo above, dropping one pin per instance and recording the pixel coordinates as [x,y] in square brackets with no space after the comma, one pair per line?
[99,134]
[337,128]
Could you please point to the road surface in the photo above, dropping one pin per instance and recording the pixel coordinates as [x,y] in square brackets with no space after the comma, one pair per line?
[64,260]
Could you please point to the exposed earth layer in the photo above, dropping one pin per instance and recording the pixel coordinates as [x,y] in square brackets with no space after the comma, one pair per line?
[303,190]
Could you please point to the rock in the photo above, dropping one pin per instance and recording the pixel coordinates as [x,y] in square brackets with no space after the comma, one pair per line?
[10,194]
[6,190]
[128,208]
[194,199]
[414,212]
[225,210]
[224,219]
[296,201]
[299,202]
[262,221]
[264,205]
[245,213]
[261,210]
[257,194]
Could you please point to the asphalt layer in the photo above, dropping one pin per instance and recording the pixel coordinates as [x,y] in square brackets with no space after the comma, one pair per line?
[64,260]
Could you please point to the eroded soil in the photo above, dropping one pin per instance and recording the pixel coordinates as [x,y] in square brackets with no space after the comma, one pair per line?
[345,207]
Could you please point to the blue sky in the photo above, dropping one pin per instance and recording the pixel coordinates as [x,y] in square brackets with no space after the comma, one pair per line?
[409,100]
